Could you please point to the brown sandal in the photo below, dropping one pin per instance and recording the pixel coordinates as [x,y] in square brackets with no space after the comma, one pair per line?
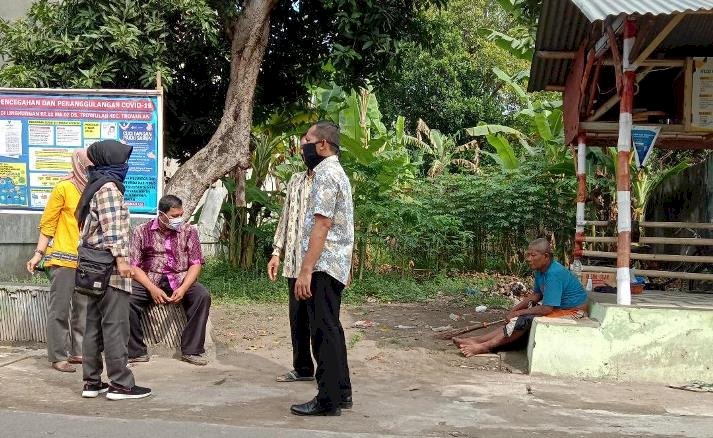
[76,360]
[63,366]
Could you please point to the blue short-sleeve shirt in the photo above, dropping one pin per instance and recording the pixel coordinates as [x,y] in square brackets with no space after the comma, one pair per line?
[559,287]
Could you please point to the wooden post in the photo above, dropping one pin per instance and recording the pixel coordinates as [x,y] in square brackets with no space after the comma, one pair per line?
[581,196]
[623,194]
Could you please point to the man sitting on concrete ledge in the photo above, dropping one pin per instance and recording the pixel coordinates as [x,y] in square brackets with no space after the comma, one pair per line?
[166,257]
[557,294]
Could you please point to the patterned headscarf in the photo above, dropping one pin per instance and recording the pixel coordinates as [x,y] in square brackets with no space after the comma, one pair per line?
[78,175]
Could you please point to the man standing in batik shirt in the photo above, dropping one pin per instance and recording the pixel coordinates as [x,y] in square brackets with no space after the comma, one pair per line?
[288,243]
[327,243]
[166,258]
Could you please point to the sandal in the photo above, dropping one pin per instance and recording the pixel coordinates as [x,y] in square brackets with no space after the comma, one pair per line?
[292,376]
[63,366]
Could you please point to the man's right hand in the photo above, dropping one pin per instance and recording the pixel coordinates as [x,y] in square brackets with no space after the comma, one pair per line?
[158,295]
[272,267]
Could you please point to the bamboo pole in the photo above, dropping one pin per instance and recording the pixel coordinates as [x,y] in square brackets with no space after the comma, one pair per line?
[623,194]
[694,225]
[652,257]
[597,223]
[652,273]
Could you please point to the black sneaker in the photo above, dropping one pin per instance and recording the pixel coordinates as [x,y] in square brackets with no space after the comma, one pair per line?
[139,359]
[127,394]
[347,402]
[92,390]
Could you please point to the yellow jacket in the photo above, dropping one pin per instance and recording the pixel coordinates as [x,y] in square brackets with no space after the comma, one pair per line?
[59,223]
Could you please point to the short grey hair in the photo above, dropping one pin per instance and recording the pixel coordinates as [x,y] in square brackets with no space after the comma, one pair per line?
[541,245]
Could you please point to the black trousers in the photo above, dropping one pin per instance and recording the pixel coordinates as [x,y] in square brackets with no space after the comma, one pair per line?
[299,329]
[196,304]
[328,342]
[107,332]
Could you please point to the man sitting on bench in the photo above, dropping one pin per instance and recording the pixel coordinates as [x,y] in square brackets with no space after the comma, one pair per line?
[557,294]
[166,258]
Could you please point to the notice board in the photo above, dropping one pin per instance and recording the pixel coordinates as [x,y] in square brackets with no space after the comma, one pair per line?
[40,128]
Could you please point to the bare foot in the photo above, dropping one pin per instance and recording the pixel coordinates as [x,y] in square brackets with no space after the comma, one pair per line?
[459,342]
[472,349]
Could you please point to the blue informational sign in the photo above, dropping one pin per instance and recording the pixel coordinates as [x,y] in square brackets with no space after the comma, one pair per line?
[39,130]
[643,138]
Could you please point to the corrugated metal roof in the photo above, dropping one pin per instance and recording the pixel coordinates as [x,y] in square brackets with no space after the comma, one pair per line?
[564,24]
[600,9]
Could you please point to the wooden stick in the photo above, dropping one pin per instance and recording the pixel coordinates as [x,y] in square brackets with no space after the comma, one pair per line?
[654,44]
[450,334]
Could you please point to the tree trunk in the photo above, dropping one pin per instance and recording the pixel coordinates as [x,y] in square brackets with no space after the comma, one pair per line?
[230,145]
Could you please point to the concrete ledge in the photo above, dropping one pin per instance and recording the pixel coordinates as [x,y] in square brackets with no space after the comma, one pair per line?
[24,308]
[624,343]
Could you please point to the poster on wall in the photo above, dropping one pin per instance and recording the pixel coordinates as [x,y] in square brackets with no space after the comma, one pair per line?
[40,129]
[702,102]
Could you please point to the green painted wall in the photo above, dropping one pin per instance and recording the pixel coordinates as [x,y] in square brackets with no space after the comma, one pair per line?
[666,345]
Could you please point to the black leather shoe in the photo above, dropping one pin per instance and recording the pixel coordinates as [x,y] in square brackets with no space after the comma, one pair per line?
[346,403]
[313,407]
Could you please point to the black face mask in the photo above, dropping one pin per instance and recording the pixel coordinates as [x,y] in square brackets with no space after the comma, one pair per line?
[310,155]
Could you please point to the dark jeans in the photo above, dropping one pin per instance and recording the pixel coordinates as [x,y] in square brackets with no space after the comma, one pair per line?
[107,331]
[328,342]
[299,328]
[196,304]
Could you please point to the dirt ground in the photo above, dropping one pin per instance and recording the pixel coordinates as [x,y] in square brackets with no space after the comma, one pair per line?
[405,384]
[379,330]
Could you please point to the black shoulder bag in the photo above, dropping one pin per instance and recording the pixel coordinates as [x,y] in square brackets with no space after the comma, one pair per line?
[94,269]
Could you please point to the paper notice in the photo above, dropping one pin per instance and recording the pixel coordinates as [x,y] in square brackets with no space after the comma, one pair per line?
[92,130]
[39,197]
[702,110]
[69,136]
[13,184]
[109,131]
[40,135]
[51,159]
[46,179]
[10,138]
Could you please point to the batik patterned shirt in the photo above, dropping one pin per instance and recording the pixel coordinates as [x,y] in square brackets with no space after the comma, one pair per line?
[288,235]
[169,253]
[331,197]
[107,227]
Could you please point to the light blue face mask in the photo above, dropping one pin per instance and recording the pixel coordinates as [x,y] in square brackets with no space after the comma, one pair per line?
[174,223]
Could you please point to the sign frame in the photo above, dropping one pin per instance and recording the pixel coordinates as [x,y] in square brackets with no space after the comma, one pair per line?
[113,93]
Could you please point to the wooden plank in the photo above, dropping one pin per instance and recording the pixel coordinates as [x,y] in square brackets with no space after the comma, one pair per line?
[596,126]
[694,225]
[558,88]
[688,94]
[652,273]
[597,223]
[654,44]
[691,241]
[652,62]
[651,257]
[551,54]
[600,239]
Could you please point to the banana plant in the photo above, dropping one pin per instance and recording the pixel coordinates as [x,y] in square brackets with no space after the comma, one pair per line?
[443,151]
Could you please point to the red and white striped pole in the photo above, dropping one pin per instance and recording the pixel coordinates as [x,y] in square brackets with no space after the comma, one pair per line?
[581,197]
[623,194]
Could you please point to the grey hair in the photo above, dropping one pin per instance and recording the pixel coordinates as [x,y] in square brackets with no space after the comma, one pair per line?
[541,245]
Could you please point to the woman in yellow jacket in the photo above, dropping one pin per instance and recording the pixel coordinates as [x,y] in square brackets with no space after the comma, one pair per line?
[57,244]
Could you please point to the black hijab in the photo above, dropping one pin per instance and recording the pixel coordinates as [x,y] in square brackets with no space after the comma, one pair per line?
[110,164]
